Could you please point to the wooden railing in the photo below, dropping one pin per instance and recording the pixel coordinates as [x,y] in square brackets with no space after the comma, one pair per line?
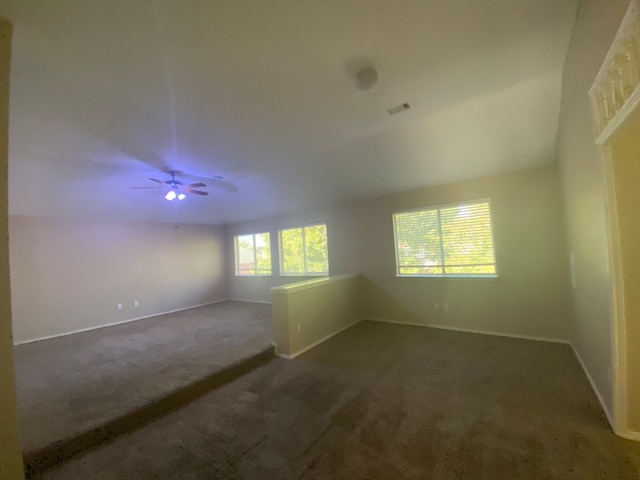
[616,89]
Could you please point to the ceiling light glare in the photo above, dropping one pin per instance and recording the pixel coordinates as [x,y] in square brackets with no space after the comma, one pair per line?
[171,195]
[181,196]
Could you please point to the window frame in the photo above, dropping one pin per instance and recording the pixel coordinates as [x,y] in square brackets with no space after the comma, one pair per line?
[437,208]
[255,255]
[304,250]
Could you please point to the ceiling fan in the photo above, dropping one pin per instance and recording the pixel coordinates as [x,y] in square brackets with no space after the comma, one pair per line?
[175,188]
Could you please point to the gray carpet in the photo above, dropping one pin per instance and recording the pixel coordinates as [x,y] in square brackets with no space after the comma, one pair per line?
[72,384]
[385,402]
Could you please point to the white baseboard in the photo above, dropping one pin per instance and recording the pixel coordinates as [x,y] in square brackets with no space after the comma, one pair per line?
[315,344]
[49,337]
[596,391]
[249,301]
[470,330]
[630,435]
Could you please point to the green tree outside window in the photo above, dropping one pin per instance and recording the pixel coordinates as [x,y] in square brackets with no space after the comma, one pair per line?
[303,250]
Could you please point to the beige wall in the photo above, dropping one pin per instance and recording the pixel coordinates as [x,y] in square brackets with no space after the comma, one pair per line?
[10,451]
[69,275]
[305,313]
[529,298]
[584,195]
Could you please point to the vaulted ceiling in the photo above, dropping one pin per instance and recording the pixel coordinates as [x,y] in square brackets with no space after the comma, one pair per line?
[105,94]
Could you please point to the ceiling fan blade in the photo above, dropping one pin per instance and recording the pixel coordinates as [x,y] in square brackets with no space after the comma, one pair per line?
[197,192]
[156,180]
[224,185]
[147,188]
[197,185]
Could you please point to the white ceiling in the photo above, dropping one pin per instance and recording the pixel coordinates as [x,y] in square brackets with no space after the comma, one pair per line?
[105,93]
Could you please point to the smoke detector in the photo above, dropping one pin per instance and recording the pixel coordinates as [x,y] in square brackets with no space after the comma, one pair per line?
[366,78]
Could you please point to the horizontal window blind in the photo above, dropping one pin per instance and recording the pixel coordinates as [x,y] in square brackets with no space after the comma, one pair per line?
[253,254]
[303,251]
[418,243]
[451,240]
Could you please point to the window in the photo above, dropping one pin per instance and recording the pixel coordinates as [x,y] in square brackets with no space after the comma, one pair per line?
[445,241]
[303,251]
[253,254]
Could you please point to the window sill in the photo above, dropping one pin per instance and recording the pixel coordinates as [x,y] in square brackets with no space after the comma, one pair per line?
[316,282]
[304,274]
[490,275]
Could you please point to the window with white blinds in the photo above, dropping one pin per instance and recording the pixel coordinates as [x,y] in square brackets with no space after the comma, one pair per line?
[445,241]
[303,251]
[253,254]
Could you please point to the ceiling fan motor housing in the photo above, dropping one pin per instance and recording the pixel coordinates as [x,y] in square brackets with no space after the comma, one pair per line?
[173,183]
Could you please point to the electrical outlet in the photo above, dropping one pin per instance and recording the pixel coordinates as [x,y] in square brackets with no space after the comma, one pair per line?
[445,307]
[136,304]
[119,306]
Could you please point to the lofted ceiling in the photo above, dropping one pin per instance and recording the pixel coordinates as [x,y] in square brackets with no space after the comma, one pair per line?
[105,94]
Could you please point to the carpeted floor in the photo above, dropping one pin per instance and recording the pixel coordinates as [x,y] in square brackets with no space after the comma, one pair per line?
[71,384]
[385,401]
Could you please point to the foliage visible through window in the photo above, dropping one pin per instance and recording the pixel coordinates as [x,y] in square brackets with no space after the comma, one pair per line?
[303,251]
[450,240]
[253,254]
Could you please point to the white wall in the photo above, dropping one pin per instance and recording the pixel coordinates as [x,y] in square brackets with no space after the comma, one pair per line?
[531,296]
[584,195]
[69,275]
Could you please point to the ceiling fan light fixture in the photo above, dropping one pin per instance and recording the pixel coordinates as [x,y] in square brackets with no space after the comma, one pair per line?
[171,195]
[181,196]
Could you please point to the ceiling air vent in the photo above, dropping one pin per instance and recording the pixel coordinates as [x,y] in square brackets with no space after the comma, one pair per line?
[398,109]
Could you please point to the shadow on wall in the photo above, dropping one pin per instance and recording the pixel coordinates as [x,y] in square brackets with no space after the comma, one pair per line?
[378,304]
